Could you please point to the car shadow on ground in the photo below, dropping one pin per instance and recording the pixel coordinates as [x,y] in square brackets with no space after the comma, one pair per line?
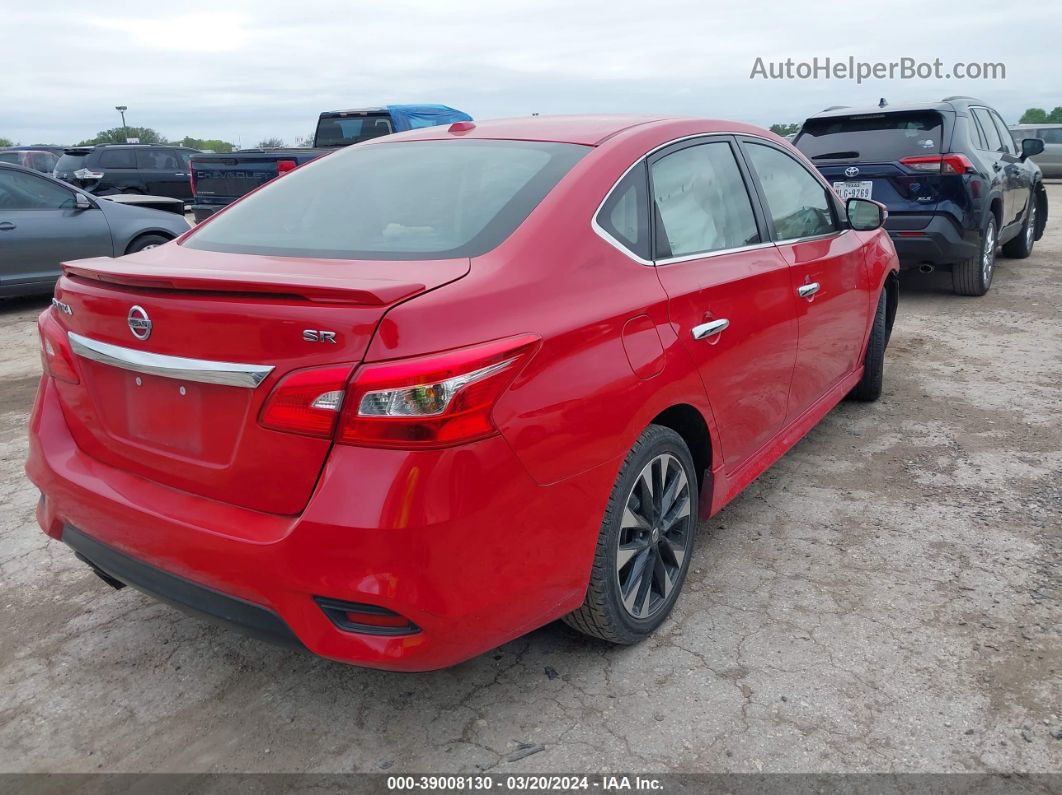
[24,303]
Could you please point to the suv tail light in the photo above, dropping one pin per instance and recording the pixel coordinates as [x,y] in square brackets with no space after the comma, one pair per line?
[432,401]
[56,357]
[191,175]
[939,164]
[307,401]
[284,166]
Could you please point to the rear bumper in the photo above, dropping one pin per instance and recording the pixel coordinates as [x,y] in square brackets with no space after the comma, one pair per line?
[462,542]
[939,242]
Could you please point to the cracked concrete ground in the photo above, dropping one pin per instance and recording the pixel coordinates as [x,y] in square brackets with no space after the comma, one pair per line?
[885,598]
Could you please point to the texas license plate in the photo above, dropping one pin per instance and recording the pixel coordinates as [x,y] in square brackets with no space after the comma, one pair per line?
[853,190]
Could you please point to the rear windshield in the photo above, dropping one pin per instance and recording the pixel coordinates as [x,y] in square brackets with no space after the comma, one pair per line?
[70,163]
[410,201]
[344,131]
[877,137]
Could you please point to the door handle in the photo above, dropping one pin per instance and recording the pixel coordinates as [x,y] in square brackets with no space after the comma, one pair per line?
[6,226]
[808,290]
[709,329]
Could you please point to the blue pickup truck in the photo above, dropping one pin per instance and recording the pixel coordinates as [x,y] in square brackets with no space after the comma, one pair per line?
[220,179]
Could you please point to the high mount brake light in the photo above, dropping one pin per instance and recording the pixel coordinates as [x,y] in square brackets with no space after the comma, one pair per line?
[939,164]
[438,400]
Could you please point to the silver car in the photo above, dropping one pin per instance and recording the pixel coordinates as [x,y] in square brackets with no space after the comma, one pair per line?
[44,222]
[1050,160]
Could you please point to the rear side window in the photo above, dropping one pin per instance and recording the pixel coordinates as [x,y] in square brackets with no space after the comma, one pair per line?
[700,202]
[157,159]
[877,137]
[1051,136]
[798,203]
[118,158]
[625,214]
[988,130]
[9,157]
[395,201]
[21,191]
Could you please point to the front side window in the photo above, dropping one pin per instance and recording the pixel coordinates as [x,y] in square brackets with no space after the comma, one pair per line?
[395,201]
[1052,135]
[118,158]
[625,214]
[20,191]
[798,203]
[701,202]
[157,160]
[1004,134]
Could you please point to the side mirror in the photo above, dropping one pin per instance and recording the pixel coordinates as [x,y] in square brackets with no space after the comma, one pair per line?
[1031,146]
[865,215]
[82,202]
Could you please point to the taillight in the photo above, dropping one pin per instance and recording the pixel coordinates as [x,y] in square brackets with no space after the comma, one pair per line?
[191,176]
[939,164]
[56,357]
[307,401]
[284,166]
[432,401]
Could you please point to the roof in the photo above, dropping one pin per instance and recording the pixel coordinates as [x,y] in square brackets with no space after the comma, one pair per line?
[386,108]
[589,130]
[951,104]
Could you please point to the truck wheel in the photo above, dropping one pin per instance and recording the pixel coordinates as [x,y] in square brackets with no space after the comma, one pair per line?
[973,276]
[1022,246]
[646,541]
[869,387]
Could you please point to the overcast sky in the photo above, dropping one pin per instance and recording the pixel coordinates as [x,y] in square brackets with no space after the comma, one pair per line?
[243,71]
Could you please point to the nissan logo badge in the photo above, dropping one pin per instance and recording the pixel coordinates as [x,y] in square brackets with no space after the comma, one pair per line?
[139,323]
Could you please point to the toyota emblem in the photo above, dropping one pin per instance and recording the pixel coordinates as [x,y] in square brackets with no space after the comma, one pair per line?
[139,322]
[851,171]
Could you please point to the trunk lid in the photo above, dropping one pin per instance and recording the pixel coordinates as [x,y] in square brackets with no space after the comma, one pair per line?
[142,406]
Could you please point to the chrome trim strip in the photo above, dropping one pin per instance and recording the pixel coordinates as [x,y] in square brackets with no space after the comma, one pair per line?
[248,376]
[707,254]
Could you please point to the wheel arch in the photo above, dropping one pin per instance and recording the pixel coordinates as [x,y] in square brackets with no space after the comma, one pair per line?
[688,422]
[892,298]
[148,233]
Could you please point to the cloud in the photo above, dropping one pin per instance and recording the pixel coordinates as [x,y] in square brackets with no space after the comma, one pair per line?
[248,70]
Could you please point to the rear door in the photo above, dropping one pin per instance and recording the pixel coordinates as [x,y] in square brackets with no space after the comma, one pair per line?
[162,172]
[730,298]
[1015,174]
[1051,158]
[40,227]
[827,271]
[120,173]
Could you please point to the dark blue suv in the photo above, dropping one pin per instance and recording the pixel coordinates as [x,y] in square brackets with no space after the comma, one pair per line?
[956,184]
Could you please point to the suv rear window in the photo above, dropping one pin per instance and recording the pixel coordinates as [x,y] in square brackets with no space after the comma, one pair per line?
[395,201]
[69,163]
[874,137]
[343,131]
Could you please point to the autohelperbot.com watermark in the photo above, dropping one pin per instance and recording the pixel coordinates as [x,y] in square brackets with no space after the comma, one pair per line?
[851,68]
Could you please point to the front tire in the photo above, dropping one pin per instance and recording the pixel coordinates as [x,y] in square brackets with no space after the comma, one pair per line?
[973,276]
[1021,246]
[645,544]
[869,387]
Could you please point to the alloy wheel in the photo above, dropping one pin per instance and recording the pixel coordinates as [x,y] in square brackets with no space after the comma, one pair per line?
[988,253]
[655,537]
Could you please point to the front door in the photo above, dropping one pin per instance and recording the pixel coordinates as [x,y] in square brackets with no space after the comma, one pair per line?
[730,299]
[40,227]
[828,272]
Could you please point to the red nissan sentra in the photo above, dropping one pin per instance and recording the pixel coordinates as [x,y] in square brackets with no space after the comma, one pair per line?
[424,395]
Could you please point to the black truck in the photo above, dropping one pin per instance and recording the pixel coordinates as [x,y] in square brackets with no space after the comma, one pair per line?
[220,179]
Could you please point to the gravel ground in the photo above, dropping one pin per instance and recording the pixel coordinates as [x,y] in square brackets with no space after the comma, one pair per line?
[885,598]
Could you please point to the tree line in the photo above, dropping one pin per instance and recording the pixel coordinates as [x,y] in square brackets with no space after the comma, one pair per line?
[147,135]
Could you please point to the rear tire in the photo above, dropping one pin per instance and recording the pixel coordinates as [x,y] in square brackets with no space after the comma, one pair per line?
[973,276]
[145,242]
[869,387]
[645,544]
[1022,246]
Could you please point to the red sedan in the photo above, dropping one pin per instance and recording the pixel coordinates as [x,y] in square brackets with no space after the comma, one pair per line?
[424,395]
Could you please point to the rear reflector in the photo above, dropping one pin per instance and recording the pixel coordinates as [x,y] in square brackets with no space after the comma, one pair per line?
[366,619]
[307,401]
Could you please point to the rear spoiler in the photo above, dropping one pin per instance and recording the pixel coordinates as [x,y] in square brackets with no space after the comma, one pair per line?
[270,279]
